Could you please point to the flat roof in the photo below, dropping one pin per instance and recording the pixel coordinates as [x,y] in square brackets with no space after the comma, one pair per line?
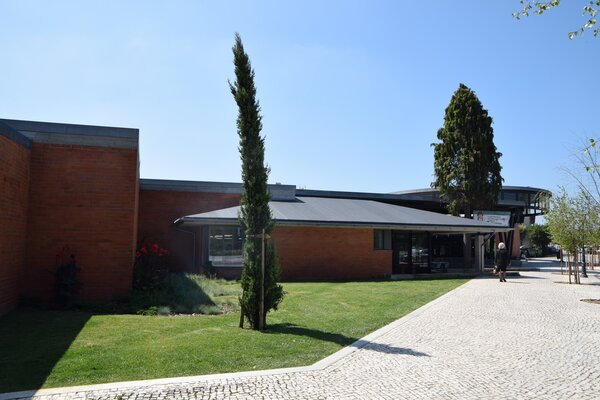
[277,191]
[75,134]
[347,213]
[524,189]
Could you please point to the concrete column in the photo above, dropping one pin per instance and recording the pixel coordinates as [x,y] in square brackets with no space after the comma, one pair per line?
[479,253]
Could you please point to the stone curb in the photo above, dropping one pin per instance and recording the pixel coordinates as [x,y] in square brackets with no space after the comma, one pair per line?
[318,366]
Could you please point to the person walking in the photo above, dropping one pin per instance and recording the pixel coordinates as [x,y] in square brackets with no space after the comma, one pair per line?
[502,261]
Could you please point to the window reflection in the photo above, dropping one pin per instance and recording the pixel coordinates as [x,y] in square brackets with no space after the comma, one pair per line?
[420,250]
[225,245]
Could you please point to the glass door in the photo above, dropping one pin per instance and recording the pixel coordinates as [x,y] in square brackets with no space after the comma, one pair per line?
[420,252]
[410,252]
[401,253]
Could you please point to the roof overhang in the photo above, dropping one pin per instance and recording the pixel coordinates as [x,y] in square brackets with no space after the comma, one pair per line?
[449,229]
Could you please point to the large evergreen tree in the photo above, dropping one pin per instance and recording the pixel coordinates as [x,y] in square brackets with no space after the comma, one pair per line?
[255,215]
[466,165]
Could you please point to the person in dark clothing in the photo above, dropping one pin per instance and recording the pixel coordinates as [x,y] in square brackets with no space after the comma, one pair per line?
[502,261]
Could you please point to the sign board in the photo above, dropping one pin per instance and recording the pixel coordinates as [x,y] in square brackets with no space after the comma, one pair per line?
[498,218]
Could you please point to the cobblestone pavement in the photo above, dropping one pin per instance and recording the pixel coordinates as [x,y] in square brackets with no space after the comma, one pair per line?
[528,338]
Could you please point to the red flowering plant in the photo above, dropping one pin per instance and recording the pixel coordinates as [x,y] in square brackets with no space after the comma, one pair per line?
[150,268]
[65,274]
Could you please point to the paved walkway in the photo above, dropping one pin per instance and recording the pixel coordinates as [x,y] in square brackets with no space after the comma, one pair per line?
[529,338]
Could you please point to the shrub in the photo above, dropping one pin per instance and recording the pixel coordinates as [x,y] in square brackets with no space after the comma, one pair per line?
[540,237]
[165,310]
[150,268]
[66,284]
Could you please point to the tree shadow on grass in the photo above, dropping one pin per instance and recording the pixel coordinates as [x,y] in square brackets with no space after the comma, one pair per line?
[293,329]
[343,340]
[32,342]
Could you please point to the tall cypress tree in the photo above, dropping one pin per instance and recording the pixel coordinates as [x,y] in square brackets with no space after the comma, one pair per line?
[255,216]
[466,163]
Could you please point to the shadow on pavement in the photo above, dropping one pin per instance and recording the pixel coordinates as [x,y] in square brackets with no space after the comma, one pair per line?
[524,277]
[384,348]
[340,339]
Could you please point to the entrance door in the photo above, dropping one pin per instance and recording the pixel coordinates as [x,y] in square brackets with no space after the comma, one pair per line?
[401,252]
[420,252]
[410,252]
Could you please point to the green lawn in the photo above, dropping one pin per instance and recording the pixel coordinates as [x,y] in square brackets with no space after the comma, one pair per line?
[40,348]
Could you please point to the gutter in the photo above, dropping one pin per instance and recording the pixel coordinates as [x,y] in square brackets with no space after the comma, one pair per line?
[339,224]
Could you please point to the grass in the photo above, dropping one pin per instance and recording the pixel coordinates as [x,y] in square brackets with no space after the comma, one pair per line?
[41,348]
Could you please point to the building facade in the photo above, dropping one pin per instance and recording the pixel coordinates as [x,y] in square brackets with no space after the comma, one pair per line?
[79,186]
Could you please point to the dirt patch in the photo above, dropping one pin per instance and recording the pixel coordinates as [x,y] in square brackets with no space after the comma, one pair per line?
[593,301]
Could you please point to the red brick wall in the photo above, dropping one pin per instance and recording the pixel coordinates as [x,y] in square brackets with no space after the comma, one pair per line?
[84,197]
[14,188]
[330,253]
[158,210]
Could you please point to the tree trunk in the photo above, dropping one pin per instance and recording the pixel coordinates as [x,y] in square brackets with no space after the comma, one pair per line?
[583,267]
[241,317]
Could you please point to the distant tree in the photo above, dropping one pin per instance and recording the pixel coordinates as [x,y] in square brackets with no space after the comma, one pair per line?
[466,163]
[539,235]
[562,222]
[590,9]
[255,216]
[574,222]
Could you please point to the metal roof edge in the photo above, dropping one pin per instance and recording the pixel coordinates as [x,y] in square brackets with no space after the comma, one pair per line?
[74,134]
[75,129]
[191,186]
[341,224]
[278,192]
[12,134]
[346,195]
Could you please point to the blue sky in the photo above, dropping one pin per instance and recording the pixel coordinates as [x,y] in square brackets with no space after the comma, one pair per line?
[352,92]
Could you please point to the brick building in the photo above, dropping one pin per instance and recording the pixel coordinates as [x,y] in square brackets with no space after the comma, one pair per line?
[79,186]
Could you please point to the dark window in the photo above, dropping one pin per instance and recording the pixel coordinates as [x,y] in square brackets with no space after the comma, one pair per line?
[382,239]
[420,249]
[225,245]
[508,195]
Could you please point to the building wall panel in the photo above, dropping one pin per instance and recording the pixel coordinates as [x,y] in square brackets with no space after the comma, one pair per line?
[83,197]
[330,253]
[14,188]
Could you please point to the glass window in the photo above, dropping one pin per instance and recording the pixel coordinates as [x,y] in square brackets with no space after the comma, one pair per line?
[420,249]
[225,246]
[509,195]
[382,239]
